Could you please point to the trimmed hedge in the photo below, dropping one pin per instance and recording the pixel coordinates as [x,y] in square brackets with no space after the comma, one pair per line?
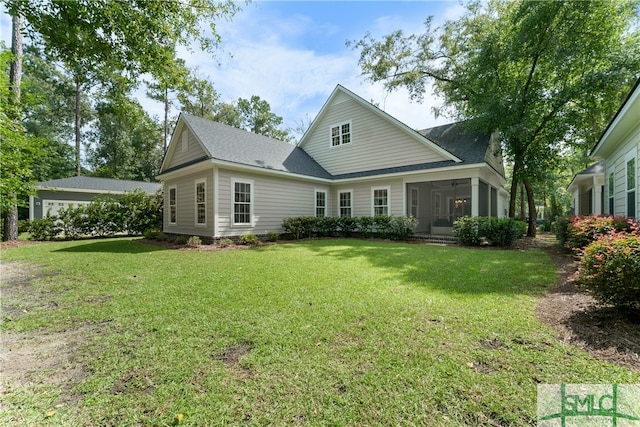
[390,227]
[132,213]
[610,270]
[502,232]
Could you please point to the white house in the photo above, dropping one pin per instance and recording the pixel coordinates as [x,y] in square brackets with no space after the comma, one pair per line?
[354,160]
[619,148]
[587,191]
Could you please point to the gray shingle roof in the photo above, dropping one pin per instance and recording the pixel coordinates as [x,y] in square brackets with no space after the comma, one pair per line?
[223,142]
[100,184]
[467,145]
[593,169]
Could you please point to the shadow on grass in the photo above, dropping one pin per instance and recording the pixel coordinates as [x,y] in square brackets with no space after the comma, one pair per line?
[116,246]
[450,269]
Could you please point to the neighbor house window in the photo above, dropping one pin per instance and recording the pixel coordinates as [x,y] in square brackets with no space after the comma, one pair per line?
[173,207]
[185,141]
[341,134]
[201,202]
[321,203]
[242,202]
[380,205]
[612,193]
[345,207]
[630,160]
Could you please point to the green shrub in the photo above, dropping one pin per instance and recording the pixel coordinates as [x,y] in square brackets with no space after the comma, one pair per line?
[194,241]
[272,236]
[396,227]
[162,237]
[401,227]
[502,232]
[44,229]
[582,230]
[249,239]
[224,242]
[151,233]
[181,239]
[561,230]
[610,269]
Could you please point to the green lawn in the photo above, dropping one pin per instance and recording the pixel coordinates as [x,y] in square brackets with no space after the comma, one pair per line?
[327,332]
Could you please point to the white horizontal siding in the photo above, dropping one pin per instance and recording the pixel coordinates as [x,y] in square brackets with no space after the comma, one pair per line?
[616,163]
[185,201]
[376,143]
[274,199]
[362,201]
[179,157]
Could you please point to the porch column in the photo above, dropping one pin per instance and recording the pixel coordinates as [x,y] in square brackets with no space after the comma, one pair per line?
[598,185]
[475,196]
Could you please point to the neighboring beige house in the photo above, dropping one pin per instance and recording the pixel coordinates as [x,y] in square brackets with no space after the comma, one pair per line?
[619,149]
[587,191]
[354,160]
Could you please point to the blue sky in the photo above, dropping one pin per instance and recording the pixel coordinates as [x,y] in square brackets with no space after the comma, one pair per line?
[293,54]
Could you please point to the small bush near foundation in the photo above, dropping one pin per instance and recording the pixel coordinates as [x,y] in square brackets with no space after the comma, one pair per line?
[249,239]
[502,232]
[151,234]
[610,270]
[181,239]
[225,242]
[391,227]
[272,236]
[194,241]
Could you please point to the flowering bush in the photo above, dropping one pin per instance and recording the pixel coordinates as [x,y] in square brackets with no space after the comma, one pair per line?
[610,269]
[581,231]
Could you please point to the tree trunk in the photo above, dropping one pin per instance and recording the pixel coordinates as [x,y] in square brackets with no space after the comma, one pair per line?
[10,215]
[166,117]
[77,126]
[533,216]
[513,194]
[522,214]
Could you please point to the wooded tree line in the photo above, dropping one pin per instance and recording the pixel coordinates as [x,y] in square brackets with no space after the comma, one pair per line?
[68,90]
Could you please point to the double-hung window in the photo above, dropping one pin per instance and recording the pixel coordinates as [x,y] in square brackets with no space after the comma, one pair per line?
[345,203]
[630,161]
[321,203]
[380,201]
[242,202]
[201,202]
[173,205]
[341,134]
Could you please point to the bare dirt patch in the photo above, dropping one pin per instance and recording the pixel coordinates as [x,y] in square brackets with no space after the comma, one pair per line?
[35,359]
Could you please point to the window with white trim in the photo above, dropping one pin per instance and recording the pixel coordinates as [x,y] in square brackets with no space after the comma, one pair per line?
[242,202]
[321,203]
[201,202]
[340,134]
[630,161]
[185,141]
[345,204]
[173,205]
[612,194]
[380,201]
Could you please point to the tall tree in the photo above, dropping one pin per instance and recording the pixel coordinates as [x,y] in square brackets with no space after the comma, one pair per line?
[253,115]
[114,42]
[198,96]
[48,102]
[535,70]
[125,141]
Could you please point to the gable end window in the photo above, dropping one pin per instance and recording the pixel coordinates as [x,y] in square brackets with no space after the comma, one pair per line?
[321,203]
[242,202]
[345,206]
[201,202]
[340,134]
[380,201]
[173,207]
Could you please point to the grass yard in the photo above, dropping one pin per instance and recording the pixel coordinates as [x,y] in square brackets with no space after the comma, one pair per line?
[326,332]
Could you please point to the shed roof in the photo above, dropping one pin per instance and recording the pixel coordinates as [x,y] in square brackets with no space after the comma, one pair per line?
[98,185]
